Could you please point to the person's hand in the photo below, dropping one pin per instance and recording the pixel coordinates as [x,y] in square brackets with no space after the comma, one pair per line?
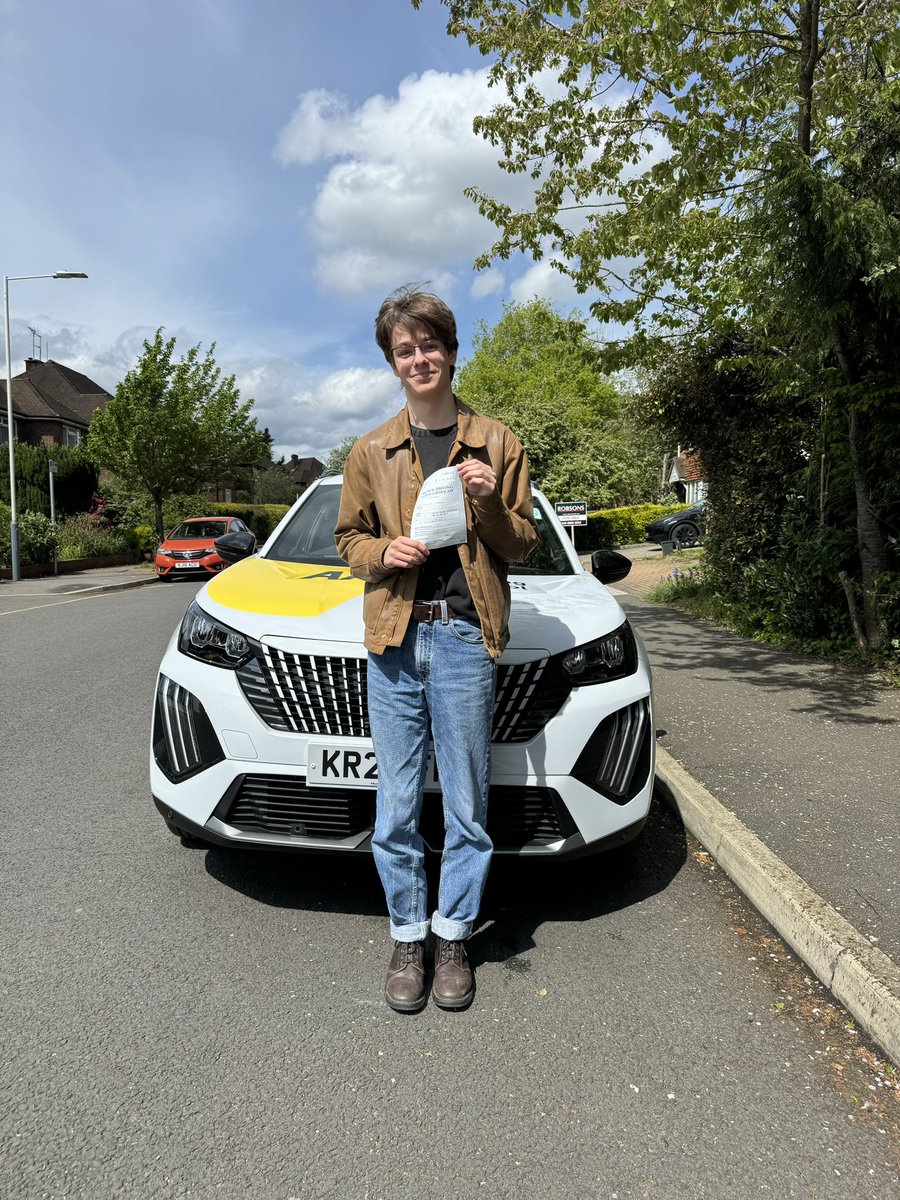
[478,478]
[403,552]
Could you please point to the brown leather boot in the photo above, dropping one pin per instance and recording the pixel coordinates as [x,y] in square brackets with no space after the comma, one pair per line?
[454,983]
[404,987]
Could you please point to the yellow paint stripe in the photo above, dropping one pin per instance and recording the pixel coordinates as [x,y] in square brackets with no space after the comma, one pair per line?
[264,585]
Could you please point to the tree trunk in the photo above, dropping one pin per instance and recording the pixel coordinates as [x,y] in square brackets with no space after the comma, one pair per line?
[157,500]
[873,558]
[809,54]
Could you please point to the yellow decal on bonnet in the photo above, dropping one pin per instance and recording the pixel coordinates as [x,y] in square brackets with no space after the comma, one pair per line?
[282,589]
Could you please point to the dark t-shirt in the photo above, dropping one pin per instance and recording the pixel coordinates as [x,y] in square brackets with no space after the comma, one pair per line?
[441,577]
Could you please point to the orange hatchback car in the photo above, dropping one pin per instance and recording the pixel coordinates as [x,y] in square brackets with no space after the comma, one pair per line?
[189,550]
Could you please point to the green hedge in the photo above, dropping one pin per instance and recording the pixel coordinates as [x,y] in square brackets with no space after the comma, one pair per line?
[261,518]
[74,486]
[623,526]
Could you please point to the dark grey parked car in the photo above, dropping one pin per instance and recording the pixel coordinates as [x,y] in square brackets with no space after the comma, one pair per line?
[685,527]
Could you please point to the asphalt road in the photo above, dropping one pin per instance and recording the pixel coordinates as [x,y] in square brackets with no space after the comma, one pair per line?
[184,1023]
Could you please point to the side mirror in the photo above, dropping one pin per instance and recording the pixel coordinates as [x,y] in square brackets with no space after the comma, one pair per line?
[609,566]
[232,547]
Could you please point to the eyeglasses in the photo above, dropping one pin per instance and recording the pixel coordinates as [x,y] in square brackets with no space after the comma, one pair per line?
[405,351]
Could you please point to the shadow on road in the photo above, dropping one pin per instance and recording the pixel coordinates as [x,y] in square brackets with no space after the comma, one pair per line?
[523,896]
[520,897]
[677,642]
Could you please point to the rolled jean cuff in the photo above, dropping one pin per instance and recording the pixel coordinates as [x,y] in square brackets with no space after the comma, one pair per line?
[410,933]
[450,931]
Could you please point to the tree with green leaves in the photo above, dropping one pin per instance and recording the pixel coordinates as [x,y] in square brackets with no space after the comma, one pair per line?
[334,463]
[273,485]
[174,425]
[695,169]
[540,373]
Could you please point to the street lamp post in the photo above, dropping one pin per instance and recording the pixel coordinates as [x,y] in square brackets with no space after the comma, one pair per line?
[14,523]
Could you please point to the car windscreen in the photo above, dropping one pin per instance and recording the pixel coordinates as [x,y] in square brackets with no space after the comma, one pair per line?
[197,529]
[549,555]
[309,537]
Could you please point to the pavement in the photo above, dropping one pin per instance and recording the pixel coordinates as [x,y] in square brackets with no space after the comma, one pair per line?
[804,819]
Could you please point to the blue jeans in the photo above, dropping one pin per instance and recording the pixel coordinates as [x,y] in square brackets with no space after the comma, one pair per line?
[441,672]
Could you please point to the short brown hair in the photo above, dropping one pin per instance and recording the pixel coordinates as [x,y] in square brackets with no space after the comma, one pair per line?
[409,305]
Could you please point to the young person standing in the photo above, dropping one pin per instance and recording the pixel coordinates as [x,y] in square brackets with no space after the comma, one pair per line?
[435,622]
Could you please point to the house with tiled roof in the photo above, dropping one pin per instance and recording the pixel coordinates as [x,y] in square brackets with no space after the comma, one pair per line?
[687,476]
[52,404]
[303,471]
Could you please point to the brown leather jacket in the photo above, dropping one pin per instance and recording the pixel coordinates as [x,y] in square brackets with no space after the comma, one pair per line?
[382,478]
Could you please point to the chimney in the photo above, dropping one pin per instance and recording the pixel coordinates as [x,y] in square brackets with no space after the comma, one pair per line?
[31,363]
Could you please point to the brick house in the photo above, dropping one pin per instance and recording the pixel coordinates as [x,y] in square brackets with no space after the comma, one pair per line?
[52,404]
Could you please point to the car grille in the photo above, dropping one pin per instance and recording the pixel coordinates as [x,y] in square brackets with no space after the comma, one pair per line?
[189,554]
[284,805]
[319,694]
[517,816]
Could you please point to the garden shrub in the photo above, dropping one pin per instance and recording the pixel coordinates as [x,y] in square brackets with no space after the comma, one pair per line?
[5,518]
[142,539]
[86,535]
[38,538]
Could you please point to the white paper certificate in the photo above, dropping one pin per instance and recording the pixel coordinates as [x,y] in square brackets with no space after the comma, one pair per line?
[439,518]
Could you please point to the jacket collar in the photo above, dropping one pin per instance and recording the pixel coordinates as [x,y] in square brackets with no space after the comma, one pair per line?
[468,433]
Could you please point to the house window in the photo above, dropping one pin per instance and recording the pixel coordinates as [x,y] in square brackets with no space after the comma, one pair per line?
[4,433]
[71,437]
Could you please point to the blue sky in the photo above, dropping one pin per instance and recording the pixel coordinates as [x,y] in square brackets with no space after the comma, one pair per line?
[254,173]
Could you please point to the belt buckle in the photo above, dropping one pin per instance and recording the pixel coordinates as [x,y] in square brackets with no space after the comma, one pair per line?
[433,610]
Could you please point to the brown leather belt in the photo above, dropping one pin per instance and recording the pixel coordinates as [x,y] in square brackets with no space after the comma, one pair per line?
[430,611]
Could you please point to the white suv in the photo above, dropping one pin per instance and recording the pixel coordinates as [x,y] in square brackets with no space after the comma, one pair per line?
[260,729]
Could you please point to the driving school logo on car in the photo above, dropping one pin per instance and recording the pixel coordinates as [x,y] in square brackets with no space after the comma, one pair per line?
[283,589]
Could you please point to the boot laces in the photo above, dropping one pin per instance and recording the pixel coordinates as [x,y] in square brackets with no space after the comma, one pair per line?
[408,955]
[451,952]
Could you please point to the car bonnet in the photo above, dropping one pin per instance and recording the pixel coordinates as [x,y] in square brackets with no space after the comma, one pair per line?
[265,598]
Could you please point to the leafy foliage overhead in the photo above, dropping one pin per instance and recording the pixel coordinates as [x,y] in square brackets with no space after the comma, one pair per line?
[647,129]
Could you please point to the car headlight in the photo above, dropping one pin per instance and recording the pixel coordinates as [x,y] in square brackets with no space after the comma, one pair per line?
[204,638]
[611,657]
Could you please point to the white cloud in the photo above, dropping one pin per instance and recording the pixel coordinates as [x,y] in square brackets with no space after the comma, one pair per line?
[487,283]
[391,207]
[309,413]
[543,280]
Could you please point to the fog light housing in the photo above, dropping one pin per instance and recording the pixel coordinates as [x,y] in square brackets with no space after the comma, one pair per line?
[184,741]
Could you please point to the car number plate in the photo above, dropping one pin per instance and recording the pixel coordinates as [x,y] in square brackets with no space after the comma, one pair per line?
[181,566]
[335,764]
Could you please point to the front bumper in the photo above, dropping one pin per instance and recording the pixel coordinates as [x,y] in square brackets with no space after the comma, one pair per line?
[167,568]
[582,784]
